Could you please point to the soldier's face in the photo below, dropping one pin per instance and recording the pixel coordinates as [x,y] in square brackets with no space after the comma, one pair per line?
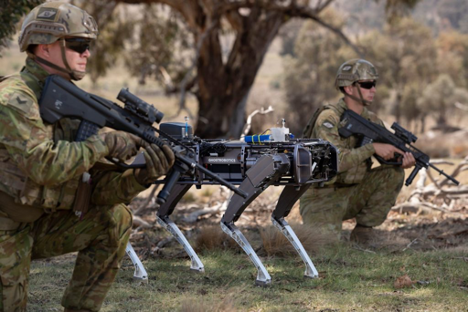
[76,61]
[367,90]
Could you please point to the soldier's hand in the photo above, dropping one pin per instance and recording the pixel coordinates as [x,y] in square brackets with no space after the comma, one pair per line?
[386,151]
[122,145]
[158,162]
[408,160]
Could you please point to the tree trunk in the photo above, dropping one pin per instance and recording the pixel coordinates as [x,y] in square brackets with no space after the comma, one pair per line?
[423,123]
[442,120]
[223,88]
[399,96]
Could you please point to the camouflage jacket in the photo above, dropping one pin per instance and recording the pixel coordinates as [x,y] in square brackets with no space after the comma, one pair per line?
[353,161]
[40,164]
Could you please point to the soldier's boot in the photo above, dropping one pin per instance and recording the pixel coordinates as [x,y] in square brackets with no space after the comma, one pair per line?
[363,235]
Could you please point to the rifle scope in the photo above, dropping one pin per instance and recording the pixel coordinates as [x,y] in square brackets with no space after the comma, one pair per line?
[404,134]
[139,107]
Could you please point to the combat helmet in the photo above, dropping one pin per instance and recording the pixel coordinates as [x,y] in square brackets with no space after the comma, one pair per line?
[355,70]
[352,71]
[52,21]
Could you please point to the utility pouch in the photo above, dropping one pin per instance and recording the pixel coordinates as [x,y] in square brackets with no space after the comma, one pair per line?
[83,195]
[17,213]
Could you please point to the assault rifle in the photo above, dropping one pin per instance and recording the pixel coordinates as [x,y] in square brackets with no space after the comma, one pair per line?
[63,99]
[354,124]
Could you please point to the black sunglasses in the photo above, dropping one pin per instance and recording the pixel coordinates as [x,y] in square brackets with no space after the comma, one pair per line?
[79,45]
[367,84]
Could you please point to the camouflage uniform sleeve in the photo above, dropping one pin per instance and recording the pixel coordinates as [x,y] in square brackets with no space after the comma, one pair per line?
[373,117]
[30,144]
[326,128]
[115,187]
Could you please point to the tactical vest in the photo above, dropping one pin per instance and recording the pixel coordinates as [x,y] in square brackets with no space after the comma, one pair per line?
[29,199]
[352,176]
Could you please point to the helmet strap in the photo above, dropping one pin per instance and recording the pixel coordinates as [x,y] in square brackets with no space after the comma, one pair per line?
[359,99]
[364,102]
[46,62]
[73,74]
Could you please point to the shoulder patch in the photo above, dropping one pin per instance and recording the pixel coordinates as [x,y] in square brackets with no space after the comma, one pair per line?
[25,104]
[327,124]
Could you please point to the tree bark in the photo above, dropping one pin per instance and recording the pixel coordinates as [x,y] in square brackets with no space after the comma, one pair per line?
[223,88]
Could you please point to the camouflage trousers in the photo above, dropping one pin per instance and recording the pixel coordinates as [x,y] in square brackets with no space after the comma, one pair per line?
[369,201]
[100,237]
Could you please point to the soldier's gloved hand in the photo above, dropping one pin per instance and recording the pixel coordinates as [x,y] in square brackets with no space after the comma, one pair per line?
[122,145]
[158,162]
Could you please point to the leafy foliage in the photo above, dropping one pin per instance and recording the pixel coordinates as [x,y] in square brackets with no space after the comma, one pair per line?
[107,49]
[161,48]
[453,56]
[454,11]
[10,14]
[396,9]
[406,56]
[440,96]
[309,76]
[288,34]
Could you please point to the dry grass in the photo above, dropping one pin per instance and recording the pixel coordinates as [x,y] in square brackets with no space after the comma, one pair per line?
[213,238]
[199,304]
[276,244]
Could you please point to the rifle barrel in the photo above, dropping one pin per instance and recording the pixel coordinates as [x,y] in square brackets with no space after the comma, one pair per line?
[444,174]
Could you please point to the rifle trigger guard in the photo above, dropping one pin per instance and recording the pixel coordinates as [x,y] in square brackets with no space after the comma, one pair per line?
[387,162]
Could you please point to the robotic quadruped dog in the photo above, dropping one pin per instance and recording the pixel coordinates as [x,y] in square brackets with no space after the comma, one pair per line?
[255,164]
[268,160]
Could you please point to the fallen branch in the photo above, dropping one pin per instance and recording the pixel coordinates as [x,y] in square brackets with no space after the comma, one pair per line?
[248,123]
[211,211]
[409,245]
[162,243]
[420,207]
[430,191]
[364,250]
[140,223]
[461,106]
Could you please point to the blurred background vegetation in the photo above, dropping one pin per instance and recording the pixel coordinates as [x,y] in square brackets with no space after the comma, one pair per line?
[217,61]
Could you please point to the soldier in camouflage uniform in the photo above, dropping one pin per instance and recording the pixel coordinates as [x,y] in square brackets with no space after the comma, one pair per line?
[358,191]
[56,195]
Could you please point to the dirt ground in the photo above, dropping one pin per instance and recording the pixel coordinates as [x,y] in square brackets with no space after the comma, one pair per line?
[419,230]
[424,232]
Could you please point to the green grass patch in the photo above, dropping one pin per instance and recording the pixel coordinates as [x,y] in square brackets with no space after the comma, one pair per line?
[350,280]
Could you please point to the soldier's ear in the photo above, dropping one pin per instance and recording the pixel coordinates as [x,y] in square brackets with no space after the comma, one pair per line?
[43,50]
[348,90]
